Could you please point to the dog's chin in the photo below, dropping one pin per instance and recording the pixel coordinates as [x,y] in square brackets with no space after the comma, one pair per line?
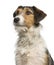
[21,28]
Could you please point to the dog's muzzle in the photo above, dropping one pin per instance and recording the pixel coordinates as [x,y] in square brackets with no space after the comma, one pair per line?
[19,20]
[16,20]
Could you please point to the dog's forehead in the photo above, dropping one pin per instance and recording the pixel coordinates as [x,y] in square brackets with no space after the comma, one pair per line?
[25,8]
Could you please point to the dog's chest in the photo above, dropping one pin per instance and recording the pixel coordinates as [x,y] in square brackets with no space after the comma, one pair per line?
[32,50]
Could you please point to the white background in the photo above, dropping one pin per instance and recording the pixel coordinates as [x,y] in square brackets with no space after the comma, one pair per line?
[8,35]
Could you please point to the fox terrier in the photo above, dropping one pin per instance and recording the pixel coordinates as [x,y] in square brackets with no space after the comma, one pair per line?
[30,47]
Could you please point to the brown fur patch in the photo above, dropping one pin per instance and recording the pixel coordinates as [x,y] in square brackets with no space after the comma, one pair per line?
[29,19]
[46,59]
[34,17]
[20,10]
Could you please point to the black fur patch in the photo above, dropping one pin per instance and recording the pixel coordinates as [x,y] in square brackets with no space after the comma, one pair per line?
[14,14]
[38,15]
[50,60]
[21,7]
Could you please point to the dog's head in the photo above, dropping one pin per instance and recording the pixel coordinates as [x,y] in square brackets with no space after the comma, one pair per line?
[28,16]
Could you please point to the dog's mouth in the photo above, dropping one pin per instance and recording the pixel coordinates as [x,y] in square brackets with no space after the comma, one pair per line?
[20,28]
[19,25]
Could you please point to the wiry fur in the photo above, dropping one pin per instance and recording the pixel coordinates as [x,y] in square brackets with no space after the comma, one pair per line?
[30,47]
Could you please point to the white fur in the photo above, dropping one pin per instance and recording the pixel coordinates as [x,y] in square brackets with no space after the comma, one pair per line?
[21,21]
[30,49]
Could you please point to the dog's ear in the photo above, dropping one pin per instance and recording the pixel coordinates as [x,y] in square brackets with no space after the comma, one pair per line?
[38,15]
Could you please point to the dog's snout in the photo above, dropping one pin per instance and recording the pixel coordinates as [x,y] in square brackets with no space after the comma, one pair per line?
[16,20]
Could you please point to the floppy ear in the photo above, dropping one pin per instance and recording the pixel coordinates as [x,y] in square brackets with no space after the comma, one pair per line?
[38,15]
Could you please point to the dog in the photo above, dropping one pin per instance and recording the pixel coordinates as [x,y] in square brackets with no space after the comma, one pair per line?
[30,47]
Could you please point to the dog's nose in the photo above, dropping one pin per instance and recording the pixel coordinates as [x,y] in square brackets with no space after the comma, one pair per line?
[16,20]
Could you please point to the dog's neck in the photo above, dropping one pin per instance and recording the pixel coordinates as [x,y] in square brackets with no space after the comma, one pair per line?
[32,31]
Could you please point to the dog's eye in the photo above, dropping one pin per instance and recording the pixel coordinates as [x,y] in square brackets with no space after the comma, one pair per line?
[28,12]
[17,12]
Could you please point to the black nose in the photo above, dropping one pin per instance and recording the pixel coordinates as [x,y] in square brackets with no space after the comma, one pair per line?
[16,20]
